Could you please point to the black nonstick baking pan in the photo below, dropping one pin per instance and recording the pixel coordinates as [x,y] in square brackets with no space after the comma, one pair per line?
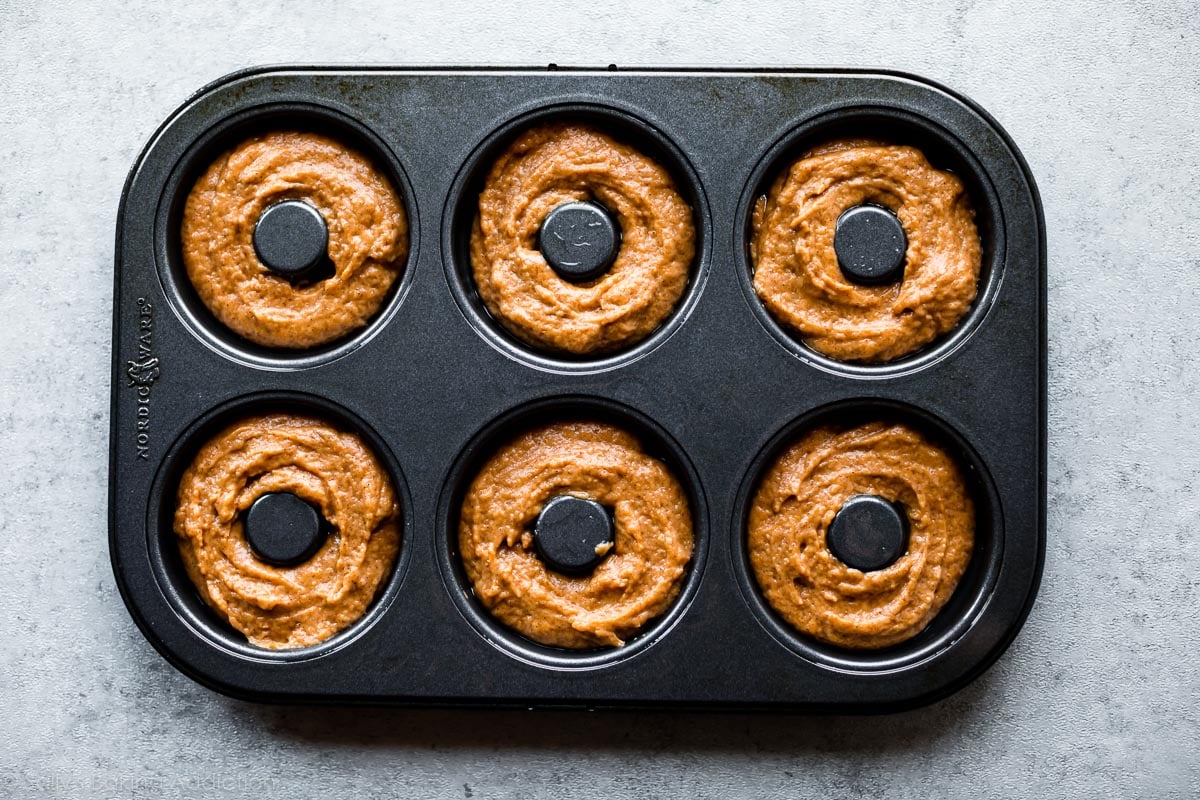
[434,383]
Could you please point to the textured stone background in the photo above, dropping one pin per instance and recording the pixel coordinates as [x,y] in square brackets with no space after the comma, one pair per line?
[1100,691]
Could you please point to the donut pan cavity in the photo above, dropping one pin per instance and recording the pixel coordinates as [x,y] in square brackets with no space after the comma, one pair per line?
[434,384]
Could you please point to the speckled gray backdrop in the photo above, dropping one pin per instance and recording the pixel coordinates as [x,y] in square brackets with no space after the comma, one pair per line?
[1101,689]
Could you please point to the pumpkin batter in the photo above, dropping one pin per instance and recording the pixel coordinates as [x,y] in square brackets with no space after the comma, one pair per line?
[557,163]
[638,578]
[368,239]
[815,592]
[287,607]
[796,272]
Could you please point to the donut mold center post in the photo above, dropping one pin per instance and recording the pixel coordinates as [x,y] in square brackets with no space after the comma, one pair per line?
[572,534]
[283,529]
[868,533]
[579,240]
[870,244]
[291,239]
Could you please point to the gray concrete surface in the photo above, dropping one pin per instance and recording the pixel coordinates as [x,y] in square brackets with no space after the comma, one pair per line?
[1099,694]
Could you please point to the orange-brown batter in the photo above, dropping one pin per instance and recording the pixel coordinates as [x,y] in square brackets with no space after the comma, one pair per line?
[635,582]
[798,498]
[368,238]
[556,163]
[287,607]
[796,272]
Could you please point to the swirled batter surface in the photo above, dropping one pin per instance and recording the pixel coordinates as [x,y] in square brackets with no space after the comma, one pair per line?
[639,576]
[796,272]
[561,162]
[795,503]
[287,607]
[368,239]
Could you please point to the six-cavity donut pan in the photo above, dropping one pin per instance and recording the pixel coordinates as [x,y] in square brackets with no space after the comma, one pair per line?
[434,384]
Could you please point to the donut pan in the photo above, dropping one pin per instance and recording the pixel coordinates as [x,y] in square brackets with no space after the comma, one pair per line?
[434,384]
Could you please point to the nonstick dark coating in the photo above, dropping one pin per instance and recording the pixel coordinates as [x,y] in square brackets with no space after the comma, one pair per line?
[434,384]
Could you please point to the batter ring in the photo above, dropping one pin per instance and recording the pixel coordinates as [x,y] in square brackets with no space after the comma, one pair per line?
[287,607]
[797,499]
[796,271]
[639,577]
[560,162]
[368,239]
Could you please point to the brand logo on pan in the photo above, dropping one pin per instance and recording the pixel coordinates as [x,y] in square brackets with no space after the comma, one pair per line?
[141,374]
